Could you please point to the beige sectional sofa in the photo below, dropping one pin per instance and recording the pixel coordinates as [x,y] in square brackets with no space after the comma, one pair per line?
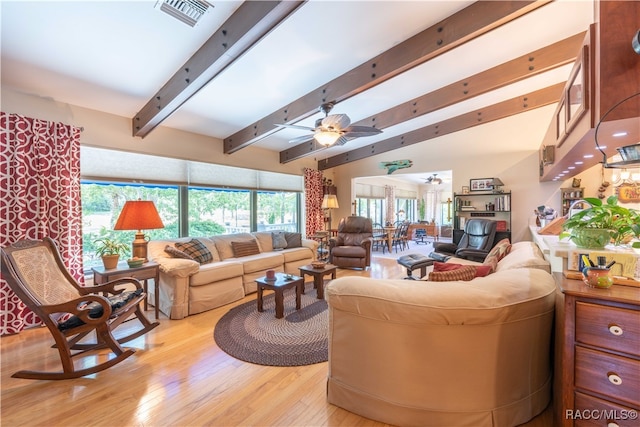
[188,287]
[454,353]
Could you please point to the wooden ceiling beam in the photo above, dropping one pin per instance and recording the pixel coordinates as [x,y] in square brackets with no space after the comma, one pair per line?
[246,27]
[472,21]
[501,110]
[539,61]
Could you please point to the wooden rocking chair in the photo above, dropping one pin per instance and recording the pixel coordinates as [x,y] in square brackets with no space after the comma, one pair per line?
[35,272]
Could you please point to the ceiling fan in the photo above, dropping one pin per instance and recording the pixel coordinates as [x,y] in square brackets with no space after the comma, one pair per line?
[333,129]
[433,179]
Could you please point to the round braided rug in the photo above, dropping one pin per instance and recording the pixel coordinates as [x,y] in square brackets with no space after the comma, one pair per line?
[299,338]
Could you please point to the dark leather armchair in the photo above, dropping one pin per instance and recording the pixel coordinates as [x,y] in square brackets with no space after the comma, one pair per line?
[475,243]
[351,247]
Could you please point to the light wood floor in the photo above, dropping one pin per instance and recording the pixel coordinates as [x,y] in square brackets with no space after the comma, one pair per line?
[177,377]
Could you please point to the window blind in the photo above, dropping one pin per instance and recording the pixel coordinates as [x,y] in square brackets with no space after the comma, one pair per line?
[113,165]
[369,191]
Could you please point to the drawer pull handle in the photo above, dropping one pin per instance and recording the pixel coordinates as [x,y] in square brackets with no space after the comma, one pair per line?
[614,379]
[615,330]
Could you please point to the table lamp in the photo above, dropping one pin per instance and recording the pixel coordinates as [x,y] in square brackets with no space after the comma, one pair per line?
[330,201]
[139,215]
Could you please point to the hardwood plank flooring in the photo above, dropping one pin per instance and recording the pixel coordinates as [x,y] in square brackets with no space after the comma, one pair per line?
[177,377]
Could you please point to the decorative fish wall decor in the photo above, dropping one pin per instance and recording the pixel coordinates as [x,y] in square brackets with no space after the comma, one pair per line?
[394,165]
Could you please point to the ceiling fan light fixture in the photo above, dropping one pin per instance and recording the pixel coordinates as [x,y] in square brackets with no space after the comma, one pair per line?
[433,179]
[327,137]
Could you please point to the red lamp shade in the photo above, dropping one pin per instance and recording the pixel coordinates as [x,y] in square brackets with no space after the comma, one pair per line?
[138,215]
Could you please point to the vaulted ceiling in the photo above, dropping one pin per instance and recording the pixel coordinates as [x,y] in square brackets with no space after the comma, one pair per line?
[416,70]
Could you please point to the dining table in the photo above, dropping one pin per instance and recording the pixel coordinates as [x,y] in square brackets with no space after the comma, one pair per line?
[389,231]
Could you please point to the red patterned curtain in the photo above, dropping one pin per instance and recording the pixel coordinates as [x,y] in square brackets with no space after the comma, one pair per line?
[40,193]
[313,201]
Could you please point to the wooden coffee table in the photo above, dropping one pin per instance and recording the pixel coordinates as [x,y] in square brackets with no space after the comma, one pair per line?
[278,285]
[318,276]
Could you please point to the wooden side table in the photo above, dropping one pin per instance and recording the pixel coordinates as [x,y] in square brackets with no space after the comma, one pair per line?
[278,285]
[318,276]
[148,270]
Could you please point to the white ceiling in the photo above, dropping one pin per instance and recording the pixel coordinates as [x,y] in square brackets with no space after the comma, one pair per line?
[113,56]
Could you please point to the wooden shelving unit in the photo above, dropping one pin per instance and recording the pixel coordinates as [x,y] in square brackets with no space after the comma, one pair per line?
[568,196]
[495,206]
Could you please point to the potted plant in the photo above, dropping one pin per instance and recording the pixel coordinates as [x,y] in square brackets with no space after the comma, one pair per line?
[602,223]
[110,251]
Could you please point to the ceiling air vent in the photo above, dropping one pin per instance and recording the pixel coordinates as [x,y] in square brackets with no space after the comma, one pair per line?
[187,11]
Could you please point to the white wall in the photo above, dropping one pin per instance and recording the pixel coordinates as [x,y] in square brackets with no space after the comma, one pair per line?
[110,131]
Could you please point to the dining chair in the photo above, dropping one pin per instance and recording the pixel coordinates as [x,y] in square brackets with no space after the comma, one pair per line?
[400,237]
[379,237]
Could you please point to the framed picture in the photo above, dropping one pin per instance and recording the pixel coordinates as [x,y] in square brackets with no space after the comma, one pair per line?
[465,189]
[561,122]
[481,184]
[577,95]
[628,193]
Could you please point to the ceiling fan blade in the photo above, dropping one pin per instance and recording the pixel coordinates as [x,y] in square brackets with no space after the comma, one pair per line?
[342,140]
[295,127]
[336,121]
[301,139]
[359,131]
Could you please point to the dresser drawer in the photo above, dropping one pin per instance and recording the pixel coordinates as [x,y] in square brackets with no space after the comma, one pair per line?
[591,412]
[608,327]
[607,374]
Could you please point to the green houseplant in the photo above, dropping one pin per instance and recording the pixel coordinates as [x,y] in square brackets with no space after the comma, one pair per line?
[110,251]
[602,223]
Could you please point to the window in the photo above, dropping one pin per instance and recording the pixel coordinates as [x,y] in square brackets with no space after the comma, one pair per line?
[216,211]
[371,208]
[192,198]
[278,211]
[201,211]
[103,201]
[406,208]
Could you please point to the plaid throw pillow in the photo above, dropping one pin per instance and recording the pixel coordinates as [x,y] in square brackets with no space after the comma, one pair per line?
[196,250]
[466,273]
[245,248]
[481,270]
[445,266]
[176,253]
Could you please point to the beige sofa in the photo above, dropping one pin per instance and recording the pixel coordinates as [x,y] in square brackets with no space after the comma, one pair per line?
[187,287]
[416,353]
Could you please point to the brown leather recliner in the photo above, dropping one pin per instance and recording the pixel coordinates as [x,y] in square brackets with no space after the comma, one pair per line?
[352,245]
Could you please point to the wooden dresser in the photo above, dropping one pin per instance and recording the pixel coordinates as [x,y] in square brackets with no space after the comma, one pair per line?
[597,355]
